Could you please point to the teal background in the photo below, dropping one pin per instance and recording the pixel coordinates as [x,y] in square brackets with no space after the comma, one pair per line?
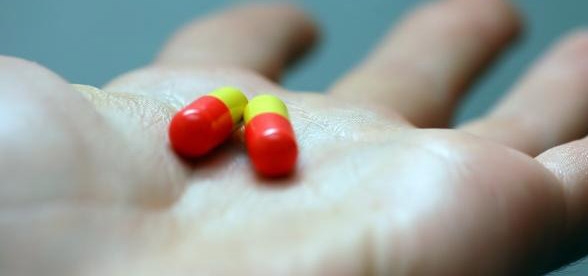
[93,41]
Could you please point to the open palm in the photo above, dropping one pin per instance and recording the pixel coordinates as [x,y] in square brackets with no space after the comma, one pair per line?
[90,186]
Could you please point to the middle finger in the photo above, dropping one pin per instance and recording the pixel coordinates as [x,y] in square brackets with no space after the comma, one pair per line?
[426,63]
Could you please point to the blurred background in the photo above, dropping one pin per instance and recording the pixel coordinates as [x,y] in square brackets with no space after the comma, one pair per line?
[91,42]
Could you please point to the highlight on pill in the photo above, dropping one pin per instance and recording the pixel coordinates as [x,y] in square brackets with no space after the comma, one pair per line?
[269,137]
[201,126]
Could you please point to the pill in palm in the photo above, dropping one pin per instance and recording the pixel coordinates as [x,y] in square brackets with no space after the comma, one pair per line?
[208,121]
[269,137]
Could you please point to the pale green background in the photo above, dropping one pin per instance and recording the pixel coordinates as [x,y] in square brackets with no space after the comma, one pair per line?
[93,41]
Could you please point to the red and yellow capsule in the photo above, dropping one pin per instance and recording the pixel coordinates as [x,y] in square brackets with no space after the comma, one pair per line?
[205,123]
[269,136]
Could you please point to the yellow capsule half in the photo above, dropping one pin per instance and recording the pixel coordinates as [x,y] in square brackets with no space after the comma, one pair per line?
[234,99]
[265,104]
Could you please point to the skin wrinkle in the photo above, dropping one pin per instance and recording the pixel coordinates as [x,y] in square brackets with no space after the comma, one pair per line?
[188,82]
[358,124]
[150,112]
[564,160]
[568,163]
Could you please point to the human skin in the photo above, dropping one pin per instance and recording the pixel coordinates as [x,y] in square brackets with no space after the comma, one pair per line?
[90,186]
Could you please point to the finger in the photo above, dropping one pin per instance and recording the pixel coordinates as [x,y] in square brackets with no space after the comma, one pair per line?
[263,38]
[548,107]
[425,64]
[56,147]
[569,163]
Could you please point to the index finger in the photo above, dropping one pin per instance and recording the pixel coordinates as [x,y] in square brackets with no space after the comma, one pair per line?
[263,38]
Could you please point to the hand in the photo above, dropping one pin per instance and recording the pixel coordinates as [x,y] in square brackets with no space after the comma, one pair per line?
[90,186]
